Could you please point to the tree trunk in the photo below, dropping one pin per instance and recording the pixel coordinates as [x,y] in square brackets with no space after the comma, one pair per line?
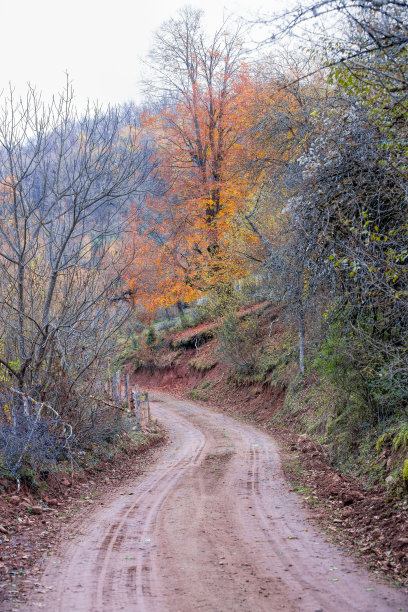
[301,324]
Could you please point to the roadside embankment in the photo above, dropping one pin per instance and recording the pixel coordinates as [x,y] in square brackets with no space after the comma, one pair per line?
[344,483]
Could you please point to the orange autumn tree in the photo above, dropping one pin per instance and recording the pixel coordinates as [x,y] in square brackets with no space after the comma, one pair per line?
[190,239]
[186,247]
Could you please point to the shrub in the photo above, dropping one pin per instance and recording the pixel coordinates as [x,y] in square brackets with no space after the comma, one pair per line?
[151,338]
[97,425]
[34,438]
[29,445]
[239,343]
[217,303]
[405,474]
[135,342]
[347,359]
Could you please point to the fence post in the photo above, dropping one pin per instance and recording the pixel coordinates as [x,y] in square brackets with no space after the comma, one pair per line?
[116,387]
[141,405]
[136,403]
[127,391]
[148,409]
[143,411]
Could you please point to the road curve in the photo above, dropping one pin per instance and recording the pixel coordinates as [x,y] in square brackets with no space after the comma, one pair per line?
[213,527]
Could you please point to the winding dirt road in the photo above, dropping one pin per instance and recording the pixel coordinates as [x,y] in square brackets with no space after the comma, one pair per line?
[213,527]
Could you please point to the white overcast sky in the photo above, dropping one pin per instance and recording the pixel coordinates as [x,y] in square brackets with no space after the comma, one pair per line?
[98,42]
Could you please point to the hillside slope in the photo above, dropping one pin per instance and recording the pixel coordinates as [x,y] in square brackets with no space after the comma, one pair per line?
[355,482]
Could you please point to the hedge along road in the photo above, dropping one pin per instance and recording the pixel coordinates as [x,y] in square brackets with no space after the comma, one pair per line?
[212,526]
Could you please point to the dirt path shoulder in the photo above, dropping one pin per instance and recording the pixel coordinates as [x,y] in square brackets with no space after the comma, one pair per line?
[212,525]
[33,523]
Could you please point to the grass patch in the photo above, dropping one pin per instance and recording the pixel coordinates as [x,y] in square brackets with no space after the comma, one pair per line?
[200,393]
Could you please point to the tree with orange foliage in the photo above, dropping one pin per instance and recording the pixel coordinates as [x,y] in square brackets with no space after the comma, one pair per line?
[203,155]
[193,237]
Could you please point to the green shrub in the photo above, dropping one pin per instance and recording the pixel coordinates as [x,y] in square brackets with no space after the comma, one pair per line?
[362,355]
[405,474]
[135,342]
[151,338]
[334,358]
[218,303]
[400,439]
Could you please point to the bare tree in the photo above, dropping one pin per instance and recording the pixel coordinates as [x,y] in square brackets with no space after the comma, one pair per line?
[194,72]
[381,26]
[67,182]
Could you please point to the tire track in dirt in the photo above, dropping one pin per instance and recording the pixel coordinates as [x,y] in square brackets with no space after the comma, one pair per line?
[157,487]
[143,581]
[212,526]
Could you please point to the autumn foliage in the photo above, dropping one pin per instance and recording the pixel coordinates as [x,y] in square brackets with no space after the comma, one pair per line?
[190,237]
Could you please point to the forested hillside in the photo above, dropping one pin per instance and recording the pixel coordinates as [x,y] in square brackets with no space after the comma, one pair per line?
[284,181]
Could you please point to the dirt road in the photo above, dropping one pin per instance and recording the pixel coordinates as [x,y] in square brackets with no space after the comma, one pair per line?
[212,527]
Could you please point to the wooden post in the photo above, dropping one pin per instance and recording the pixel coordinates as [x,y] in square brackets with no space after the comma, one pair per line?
[137,405]
[148,409]
[116,388]
[128,394]
[143,403]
